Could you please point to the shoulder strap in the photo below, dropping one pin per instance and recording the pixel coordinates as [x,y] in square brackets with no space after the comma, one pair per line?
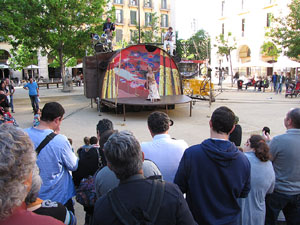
[156,197]
[120,210]
[157,194]
[100,163]
[47,139]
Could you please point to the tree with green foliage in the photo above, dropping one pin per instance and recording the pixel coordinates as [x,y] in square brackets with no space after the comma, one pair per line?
[22,57]
[196,47]
[285,30]
[225,46]
[199,45]
[270,49]
[150,33]
[182,48]
[59,28]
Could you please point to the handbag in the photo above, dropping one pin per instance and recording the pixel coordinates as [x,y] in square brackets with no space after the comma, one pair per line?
[86,192]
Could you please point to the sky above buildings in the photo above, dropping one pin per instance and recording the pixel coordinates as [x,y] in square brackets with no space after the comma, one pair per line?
[193,15]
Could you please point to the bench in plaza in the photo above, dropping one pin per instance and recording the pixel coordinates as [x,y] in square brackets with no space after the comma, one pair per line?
[49,83]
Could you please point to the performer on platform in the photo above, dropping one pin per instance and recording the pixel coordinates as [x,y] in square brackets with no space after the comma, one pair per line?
[168,40]
[108,28]
[152,85]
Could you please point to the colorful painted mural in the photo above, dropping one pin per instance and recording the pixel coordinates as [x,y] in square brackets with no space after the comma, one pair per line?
[126,73]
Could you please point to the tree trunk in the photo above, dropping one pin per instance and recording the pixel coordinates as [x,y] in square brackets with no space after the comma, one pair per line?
[66,78]
[231,69]
[220,75]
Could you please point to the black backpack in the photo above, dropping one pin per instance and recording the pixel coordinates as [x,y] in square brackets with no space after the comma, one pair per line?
[139,216]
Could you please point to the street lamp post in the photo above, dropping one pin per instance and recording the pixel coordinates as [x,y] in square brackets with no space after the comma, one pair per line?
[139,9]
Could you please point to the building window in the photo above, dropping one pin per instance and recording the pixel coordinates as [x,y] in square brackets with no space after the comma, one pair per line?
[223,5]
[133,17]
[148,3]
[148,19]
[119,16]
[118,1]
[164,4]
[133,2]
[223,28]
[243,27]
[164,20]
[133,36]
[119,35]
[269,18]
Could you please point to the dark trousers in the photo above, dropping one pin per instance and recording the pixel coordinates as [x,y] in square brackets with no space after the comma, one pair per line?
[34,101]
[69,205]
[88,215]
[11,103]
[289,204]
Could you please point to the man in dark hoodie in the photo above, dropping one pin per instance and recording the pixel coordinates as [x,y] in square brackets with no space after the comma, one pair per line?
[214,174]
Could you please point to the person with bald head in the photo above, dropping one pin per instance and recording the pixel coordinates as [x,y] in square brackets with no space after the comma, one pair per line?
[285,152]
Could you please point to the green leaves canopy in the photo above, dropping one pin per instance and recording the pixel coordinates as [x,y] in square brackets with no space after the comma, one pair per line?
[149,33]
[225,45]
[285,31]
[59,28]
[270,49]
[196,47]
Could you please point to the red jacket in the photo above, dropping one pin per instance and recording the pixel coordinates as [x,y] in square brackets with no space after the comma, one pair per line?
[24,217]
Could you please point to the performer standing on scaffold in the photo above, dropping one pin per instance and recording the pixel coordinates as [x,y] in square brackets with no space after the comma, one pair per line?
[168,40]
[108,28]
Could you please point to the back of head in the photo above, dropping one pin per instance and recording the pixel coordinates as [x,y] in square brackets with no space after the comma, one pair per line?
[158,122]
[294,115]
[123,154]
[93,140]
[51,111]
[105,136]
[104,125]
[86,140]
[223,120]
[260,147]
[17,160]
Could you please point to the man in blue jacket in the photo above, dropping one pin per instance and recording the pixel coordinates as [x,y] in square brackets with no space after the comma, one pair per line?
[56,159]
[215,173]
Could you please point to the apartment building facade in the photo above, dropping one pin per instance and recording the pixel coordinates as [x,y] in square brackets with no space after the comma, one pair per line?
[127,16]
[248,21]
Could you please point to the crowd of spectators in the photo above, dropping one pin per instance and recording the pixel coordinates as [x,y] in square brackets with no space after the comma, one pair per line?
[260,83]
[145,183]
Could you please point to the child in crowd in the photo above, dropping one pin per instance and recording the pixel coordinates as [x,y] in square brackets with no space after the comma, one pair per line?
[6,117]
[84,147]
[94,141]
[86,141]
[36,117]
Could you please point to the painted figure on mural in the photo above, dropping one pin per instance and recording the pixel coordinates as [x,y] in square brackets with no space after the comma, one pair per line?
[152,85]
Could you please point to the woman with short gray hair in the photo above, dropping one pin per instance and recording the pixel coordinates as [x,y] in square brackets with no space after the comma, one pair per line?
[17,160]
